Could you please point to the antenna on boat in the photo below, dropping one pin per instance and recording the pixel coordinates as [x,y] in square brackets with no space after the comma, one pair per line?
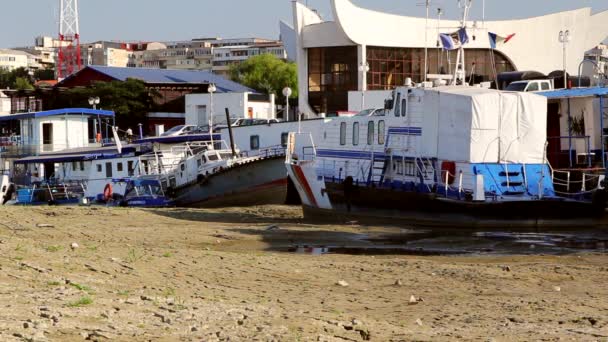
[427,4]
[439,52]
[460,68]
[211,89]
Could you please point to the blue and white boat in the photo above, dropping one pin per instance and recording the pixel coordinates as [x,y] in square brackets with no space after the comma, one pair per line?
[143,193]
[447,156]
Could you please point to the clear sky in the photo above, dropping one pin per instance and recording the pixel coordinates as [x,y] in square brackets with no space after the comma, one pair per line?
[169,20]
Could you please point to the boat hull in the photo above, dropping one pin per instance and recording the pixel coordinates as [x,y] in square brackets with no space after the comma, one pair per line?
[260,182]
[425,210]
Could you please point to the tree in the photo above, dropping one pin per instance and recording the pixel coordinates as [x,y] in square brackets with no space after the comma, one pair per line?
[266,73]
[130,100]
[44,74]
[22,83]
[8,79]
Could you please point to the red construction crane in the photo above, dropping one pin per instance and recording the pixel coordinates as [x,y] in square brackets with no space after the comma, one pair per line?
[69,39]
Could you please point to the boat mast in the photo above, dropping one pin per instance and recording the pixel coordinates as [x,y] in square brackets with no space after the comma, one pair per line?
[460,69]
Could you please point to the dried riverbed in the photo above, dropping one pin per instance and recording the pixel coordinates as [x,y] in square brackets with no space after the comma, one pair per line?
[225,274]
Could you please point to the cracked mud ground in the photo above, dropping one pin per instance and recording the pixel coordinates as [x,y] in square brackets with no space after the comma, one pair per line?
[73,274]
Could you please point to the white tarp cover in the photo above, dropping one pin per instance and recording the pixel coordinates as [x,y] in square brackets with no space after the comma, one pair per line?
[488,126]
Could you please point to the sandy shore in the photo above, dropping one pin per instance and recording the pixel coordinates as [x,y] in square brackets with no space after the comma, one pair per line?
[72,274]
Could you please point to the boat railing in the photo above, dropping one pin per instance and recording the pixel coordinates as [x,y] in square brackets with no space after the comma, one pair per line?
[446,176]
[267,152]
[423,165]
[593,179]
[300,147]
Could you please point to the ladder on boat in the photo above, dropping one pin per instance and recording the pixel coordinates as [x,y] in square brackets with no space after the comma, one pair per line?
[377,170]
[513,179]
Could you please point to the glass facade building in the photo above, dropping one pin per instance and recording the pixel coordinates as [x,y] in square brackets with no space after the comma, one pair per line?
[334,71]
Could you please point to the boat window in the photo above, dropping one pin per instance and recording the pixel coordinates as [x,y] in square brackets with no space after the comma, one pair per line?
[212,157]
[356,134]
[108,170]
[226,155]
[545,86]
[199,162]
[370,133]
[81,166]
[130,167]
[403,107]
[74,166]
[119,167]
[381,132]
[254,142]
[343,133]
[284,138]
[533,87]
[99,168]
[398,105]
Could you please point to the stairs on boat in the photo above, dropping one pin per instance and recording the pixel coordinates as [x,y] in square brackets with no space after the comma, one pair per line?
[376,170]
[512,180]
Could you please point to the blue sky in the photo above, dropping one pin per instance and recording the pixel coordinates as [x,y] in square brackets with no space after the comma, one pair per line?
[164,20]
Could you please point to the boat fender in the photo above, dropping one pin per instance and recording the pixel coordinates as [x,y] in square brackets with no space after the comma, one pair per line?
[450,168]
[107,192]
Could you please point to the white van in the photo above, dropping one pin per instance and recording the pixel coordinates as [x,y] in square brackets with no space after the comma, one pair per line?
[530,86]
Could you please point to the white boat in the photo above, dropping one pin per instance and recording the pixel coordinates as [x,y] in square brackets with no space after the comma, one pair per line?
[209,174]
[451,156]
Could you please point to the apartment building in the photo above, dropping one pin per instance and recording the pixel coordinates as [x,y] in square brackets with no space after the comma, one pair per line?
[14,59]
[226,56]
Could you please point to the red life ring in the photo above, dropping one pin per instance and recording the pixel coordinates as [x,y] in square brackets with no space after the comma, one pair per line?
[108,192]
[450,168]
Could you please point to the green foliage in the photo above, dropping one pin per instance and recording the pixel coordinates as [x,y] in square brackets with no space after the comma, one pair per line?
[266,73]
[20,78]
[53,249]
[23,84]
[82,287]
[44,74]
[9,79]
[130,100]
[86,300]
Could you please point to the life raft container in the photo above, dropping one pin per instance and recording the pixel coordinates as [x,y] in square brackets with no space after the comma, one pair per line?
[108,192]
[449,168]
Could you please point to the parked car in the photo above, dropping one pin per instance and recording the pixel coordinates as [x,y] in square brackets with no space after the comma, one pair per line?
[372,112]
[530,85]
[180,130]
[250,122]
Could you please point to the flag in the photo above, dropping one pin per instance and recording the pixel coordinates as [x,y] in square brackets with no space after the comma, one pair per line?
[452,41]
[496,40]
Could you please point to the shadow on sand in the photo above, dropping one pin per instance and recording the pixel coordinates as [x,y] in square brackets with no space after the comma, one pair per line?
[284,229]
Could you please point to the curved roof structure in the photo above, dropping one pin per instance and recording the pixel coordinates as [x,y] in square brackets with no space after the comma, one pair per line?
[354,25]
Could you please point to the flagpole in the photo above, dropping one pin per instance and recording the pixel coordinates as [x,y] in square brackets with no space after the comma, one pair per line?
[426,41]
[483,13]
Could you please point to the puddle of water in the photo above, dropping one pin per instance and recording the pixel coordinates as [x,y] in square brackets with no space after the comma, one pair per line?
[483,243]
[371,250]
